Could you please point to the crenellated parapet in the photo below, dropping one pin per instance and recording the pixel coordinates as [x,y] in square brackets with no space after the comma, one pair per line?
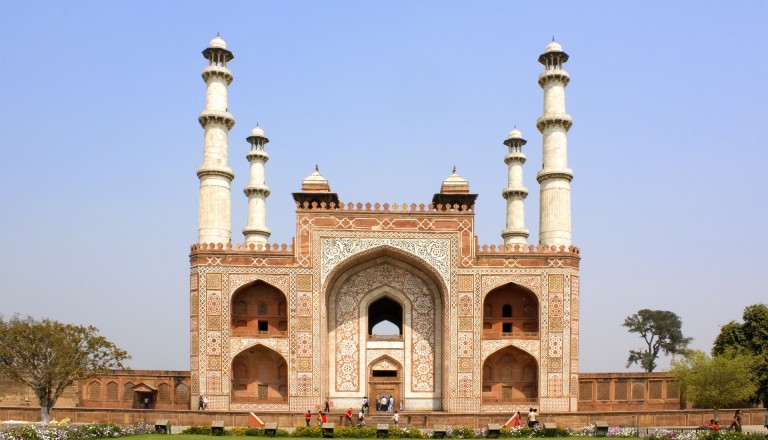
[266,248]
[386,207]
[526,249]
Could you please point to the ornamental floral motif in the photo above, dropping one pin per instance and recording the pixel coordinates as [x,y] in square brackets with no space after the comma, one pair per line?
[436,252]
[348,316]
[237,345]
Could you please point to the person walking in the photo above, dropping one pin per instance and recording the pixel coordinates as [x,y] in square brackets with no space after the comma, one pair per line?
[361,419]
[736,423]
[395,418]
[308,416]
[348,417]
[200,403]
[532,422]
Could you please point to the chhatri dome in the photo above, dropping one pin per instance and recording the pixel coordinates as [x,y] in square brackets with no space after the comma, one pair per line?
[553,47]
[218,43]
[257,132]
[455,184]
[315,182]
[515,134]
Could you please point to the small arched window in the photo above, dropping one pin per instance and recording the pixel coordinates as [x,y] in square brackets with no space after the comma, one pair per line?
[506,311]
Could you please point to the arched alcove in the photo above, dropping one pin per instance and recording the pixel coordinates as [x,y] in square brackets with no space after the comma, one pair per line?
[385,318]
[386,288]
[510,311]
[510,376]
[259,375]
[258,308]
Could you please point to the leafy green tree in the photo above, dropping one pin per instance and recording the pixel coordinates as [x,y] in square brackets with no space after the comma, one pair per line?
[49,356]
[715,382]
[751,336]
[661,331]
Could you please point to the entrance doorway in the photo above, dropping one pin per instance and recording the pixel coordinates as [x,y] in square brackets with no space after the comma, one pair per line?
[385,381]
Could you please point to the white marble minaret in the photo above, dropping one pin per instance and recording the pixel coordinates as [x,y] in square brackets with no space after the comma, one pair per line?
[256,231]
[515,193]
[215,220]
[555,176]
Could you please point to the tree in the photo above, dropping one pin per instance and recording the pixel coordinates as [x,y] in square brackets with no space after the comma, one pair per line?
[715,382]
[751,336]
[49,356]
[661,331]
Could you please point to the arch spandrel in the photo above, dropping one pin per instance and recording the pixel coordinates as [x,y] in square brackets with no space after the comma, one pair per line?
[530,346]
[239,345]
[279,282]
[385,363]
[530,282]
[432,256]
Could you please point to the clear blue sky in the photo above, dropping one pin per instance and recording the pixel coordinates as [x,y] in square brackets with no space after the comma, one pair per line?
[100,144]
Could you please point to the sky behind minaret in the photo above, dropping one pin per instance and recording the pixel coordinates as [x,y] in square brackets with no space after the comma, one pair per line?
[101,144]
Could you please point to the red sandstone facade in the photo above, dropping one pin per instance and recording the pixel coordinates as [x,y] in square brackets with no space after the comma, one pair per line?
[479,328]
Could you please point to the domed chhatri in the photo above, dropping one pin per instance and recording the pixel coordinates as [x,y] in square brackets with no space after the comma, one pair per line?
[455,184]
[218,43]
[258,132]
[515,134]
[553,47]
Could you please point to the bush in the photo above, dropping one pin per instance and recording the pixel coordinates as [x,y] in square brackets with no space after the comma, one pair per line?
[198,430]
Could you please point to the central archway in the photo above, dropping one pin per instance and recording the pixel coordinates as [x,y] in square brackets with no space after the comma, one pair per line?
[371,292]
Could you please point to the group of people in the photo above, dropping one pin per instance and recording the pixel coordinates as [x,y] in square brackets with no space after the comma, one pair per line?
[202,403]
[384,403]
[531,419]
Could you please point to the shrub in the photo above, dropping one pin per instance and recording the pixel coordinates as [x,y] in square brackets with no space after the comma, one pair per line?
[198,430]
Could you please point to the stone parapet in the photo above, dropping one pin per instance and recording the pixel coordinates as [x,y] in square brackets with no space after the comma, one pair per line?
[387,208]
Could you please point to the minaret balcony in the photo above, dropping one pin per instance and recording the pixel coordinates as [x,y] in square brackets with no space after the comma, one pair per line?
[214,171]
[514,157]
[217,72]
[214,116]
[566,174]
[515,192]
[256,190]
[552,119]
[255,154]
[559,75]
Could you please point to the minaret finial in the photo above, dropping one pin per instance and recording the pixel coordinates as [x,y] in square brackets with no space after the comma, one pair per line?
[218,34]
[317,168]
[454,169]
[553,38]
